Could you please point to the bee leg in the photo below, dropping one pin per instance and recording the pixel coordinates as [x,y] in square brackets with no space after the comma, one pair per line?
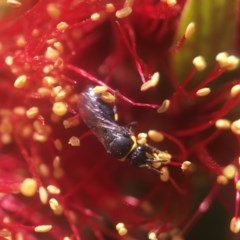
[131,125]
[153,169]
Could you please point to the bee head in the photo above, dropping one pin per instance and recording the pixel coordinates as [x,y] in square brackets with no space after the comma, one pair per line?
[138,156]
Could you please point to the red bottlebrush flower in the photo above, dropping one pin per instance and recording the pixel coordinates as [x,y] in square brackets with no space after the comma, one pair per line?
[56,179]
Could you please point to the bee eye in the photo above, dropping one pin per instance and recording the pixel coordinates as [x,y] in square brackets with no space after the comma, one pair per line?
[120,146]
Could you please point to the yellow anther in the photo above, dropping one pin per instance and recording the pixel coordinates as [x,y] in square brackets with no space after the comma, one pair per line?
[152,236]
[238,185]
[62,26]
[95,16]
[43,195]
[142,138]
[43,228]
[156,164]
[233,62]
[56,162]
[235,225]
[39,137]
[109,7]
[123,12]
[108,97]
[164,156]
[20,82]
[19,110]
[74,141]
[171,3]
[122,230]
[151,83]
[155,79]
[53,10]
[164,176]
[55,206]
[190,30]
[222,59]
[41,128]
[120,225]
[61,95]
[9,60]
[32,112]
[14,3]
[59,63]
[21,41]
[185,165]
[99,89]
[164,107]
[51,54]
[53,203]
[60,108]
[58,46]
[142,135]
[48,68]
[222,180]
[56,90]
[155,136]
[58,144]
[53,189]
[28,187]
[66,238]
[235,90]
[223,124]
[230,171]
[203,92]
[235,127]
[128,3]
[43,170]
[145,86]
[44,92]
[51,41]
[199,63]
[70,123]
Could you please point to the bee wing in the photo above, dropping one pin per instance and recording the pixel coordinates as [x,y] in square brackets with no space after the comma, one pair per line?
[98,116]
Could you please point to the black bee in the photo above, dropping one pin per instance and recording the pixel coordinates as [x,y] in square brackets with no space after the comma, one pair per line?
[119,141]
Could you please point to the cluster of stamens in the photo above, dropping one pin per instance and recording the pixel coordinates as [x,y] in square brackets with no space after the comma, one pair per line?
[28,122]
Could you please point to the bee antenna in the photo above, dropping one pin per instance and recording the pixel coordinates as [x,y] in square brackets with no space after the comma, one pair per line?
[153,169]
